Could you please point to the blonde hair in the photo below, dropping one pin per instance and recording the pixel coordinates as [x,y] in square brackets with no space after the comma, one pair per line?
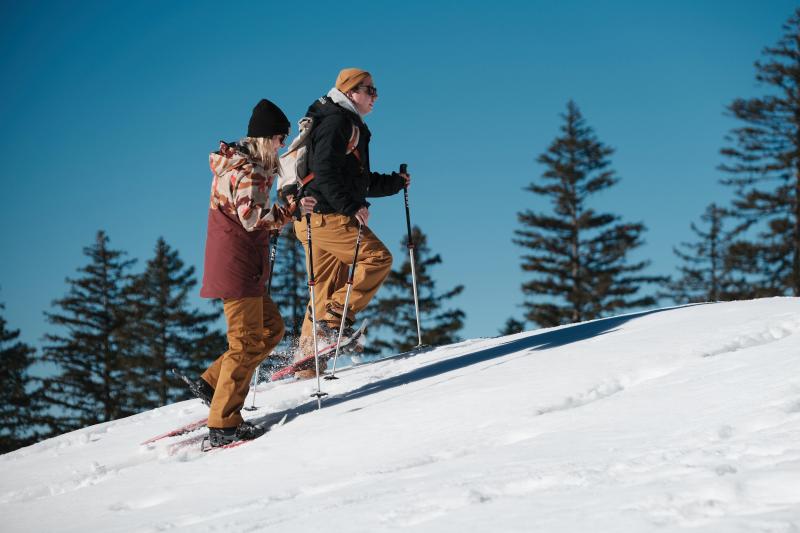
[261,152]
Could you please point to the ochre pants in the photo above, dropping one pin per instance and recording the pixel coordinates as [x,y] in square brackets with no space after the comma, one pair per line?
[255,327]
[333,238]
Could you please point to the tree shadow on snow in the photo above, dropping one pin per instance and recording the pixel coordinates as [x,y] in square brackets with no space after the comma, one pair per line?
[534,342]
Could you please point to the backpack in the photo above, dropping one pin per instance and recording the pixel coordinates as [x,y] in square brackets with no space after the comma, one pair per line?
[294,171]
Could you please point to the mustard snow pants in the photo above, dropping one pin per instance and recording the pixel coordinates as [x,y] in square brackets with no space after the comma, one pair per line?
[333,238]
[255,327]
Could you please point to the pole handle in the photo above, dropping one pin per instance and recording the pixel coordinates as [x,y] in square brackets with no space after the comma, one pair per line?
[404,170]
[310,253]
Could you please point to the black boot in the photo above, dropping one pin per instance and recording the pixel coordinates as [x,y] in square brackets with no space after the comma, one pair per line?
[244,431]
[202,390]
[199,388]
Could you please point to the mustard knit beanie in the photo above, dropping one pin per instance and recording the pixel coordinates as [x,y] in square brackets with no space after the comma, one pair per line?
[349,78]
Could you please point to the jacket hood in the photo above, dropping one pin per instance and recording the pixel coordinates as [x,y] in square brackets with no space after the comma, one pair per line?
[326,106]
[228,157]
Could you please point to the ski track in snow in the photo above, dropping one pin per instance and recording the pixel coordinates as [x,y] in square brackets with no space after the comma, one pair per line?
[664,421]
[603,390]
[754,334]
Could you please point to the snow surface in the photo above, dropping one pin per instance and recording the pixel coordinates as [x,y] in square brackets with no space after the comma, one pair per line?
[669,420]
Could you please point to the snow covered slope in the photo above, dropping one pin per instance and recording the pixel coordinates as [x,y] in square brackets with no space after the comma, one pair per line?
[670,420]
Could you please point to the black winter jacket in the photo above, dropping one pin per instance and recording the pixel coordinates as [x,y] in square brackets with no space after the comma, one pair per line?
[342,182]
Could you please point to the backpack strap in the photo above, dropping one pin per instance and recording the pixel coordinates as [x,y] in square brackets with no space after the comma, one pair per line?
[352,145]
[305,181]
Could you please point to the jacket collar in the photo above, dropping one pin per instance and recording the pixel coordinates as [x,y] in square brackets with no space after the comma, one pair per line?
[340,98]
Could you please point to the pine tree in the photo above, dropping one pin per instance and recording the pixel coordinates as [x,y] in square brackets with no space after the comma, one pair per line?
[289,288]
[512,326]
[17,417]
[168,333]
[704,272]
[394,310]
[763,164]
[578,257]
[93,357]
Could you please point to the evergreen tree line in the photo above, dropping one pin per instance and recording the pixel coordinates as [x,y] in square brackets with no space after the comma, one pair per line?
[750,248]
[578,258]
[117,334]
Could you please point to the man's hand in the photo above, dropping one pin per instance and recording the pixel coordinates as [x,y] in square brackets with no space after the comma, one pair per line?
[307,204]
[407,178]
[362,215]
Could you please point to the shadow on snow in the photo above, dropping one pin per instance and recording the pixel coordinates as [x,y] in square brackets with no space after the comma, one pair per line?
[536,341]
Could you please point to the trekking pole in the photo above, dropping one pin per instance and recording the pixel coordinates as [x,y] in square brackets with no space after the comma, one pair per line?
[346,302]
[255,382]
[319,394]
[404,170]
[273,251]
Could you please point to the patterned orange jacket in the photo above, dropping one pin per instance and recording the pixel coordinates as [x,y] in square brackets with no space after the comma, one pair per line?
[240,219]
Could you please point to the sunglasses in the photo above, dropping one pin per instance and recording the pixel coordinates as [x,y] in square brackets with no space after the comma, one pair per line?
[282,138]
[369,89]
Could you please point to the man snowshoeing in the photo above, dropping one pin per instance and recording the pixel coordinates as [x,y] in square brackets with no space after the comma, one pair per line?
[339,159]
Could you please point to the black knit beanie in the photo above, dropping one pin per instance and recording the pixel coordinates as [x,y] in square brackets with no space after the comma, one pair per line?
[267,120]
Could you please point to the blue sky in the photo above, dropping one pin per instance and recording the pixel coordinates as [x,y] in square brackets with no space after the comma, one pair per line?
[109,110]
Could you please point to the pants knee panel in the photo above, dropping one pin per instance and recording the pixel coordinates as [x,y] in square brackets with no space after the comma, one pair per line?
[274,334]
[249,344]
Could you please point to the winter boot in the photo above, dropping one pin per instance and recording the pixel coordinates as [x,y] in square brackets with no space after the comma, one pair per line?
[199,388]
[244,431]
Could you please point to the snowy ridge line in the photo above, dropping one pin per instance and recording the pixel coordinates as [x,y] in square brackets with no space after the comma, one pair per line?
[644,436]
